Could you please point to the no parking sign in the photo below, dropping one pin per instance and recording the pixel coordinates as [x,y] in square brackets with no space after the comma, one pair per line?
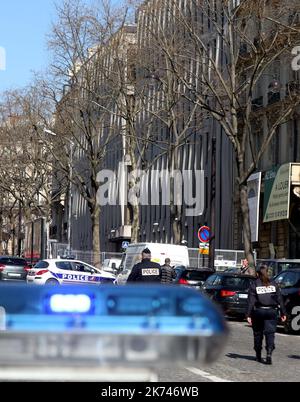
[204,234]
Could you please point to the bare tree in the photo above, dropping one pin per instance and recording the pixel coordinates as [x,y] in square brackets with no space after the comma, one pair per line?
[230,48]
[83,53]
[25,165]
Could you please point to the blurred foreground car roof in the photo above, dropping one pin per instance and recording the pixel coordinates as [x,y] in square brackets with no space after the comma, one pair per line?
[133,326]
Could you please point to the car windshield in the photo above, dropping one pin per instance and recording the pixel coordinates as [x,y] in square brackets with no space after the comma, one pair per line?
[13,261]
[42,264]
[236,282]
[196,275]
[283,266]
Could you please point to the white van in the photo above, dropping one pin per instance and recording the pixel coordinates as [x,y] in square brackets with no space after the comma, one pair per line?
[111,265]
[159,252]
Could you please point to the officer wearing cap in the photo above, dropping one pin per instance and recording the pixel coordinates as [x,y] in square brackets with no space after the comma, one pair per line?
[264,297]
[146,270]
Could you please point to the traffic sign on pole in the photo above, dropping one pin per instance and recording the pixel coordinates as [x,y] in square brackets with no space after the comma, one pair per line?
[125,245]
[204,234]
[204,248]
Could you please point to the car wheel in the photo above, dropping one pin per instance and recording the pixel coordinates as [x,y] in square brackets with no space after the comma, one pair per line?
[52,282]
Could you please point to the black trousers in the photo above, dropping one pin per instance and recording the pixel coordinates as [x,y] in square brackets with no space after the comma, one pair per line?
[264,322]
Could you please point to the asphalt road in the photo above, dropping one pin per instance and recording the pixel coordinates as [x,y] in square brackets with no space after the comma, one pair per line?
[237,363]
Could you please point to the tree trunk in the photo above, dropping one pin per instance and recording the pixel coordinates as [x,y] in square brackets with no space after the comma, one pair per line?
[176,225]
[175,209]
[95,216]
[243,189]
[135,224]
[1,226]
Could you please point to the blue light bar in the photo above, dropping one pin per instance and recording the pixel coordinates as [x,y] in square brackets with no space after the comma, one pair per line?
[68,303]
[47,326]
[116,309]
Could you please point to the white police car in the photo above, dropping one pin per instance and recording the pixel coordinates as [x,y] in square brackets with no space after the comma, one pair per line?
[66,271]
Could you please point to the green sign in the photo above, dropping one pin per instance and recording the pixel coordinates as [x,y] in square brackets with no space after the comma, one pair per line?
[277,193]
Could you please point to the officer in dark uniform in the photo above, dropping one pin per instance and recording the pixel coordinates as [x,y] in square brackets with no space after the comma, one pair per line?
[146,270]
[263,300]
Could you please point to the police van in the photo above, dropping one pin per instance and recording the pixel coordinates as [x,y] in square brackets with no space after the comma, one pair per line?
[159,252]
[66,271]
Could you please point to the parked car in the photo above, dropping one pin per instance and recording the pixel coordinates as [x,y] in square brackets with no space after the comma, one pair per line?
[192,277]
[13,268]
[289,283]
[65,271]
[230,290]
[278,265]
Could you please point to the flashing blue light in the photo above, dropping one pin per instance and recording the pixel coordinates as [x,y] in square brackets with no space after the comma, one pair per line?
[67,303]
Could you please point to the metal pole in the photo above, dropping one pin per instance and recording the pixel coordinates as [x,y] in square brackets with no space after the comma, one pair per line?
[70,199]
[19,229]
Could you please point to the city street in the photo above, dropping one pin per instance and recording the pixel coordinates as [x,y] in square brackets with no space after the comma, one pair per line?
[237,363]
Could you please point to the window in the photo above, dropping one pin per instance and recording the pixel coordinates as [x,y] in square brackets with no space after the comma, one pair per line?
[18,261]
[13,261]
[197,275]
[218,281]
[41,264]
[236,283]
[80,267]
[280,279]
[283,266]
[65,265]
[290,280]
[210,280]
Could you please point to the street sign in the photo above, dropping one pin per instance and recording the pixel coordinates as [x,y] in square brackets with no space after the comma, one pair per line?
[125,245]
[204,234]
[204,248]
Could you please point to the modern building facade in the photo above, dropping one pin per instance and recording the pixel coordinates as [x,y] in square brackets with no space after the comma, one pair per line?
[170,134]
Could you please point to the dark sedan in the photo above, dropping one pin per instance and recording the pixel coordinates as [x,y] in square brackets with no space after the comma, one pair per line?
[192,277]
[13,268]
[230,290]
[289,283]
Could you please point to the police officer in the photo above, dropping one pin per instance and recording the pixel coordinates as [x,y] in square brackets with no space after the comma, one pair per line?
[146,270]
[263,300]
[168,273]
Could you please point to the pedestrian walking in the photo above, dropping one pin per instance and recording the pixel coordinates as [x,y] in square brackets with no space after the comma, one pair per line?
[264,297]
[146,270]
[168,273]
[245,266]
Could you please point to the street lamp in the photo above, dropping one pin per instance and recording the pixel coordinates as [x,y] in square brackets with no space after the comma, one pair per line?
[70,198]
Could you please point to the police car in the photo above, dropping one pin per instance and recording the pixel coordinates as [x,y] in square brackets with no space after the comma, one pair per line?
[65,271]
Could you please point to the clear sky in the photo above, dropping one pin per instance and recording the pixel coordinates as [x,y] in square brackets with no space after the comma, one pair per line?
[23,28]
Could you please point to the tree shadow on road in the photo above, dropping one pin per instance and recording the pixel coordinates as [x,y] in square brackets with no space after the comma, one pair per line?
[237,356]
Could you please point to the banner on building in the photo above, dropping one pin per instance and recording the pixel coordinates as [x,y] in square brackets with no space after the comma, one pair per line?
[254,185]
[277,193]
